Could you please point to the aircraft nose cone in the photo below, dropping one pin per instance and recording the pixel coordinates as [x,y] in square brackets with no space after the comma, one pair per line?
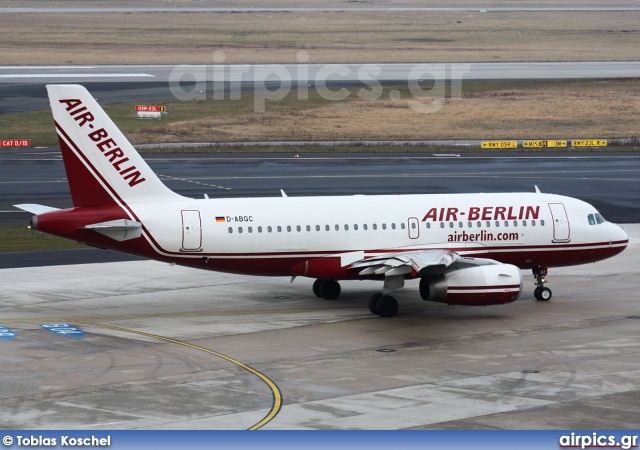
[621,235]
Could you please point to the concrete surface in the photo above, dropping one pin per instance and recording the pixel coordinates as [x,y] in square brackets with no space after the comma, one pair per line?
[571,363]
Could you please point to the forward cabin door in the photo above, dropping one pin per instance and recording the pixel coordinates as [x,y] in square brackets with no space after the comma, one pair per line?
[561,231]
[191,231]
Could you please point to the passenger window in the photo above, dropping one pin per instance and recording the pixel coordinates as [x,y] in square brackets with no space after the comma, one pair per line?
[239,229]
[450,224]
[515,223]
[393,226]
[289,228]
[355,226]
[346,227]
[441,224]
[506,223]
[269,229]
[327,227]
[524,223]
[279,229]
[259,229]
[470,224]
[497,224]
[250,230]
[533,223]
[375,227]
[488,224]
[541,222]
[402,225]
[337,227]
[413,225]
[298,228]
[384,226]
[230,230]
[479,224]
[364,226]
[308,227]
[317,227]
[428,224]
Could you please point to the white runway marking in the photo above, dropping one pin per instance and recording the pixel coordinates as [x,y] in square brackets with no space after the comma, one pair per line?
[77,75]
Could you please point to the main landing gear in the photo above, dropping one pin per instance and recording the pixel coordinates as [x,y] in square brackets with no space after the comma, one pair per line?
[383,305]
[541,293]
[379,304]
[327,289]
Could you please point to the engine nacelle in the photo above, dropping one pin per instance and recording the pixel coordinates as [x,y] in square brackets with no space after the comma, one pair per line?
[481,285]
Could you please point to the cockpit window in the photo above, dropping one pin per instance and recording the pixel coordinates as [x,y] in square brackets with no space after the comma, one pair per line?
[595,219]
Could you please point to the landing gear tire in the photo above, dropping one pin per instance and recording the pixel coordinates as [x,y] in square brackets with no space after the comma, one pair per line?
[316,287]
[542,294]
[386,306]
[373,303]
[329,289]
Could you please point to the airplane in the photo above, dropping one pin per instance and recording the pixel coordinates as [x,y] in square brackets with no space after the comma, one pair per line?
[464,249]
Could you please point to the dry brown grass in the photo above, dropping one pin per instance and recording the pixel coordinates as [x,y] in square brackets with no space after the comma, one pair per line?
[597,109]
[177,38]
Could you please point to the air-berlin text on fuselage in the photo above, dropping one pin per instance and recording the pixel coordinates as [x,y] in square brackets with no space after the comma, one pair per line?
[482,213]
[105,144]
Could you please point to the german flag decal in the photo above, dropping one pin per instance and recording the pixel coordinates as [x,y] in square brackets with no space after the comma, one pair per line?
[220,219]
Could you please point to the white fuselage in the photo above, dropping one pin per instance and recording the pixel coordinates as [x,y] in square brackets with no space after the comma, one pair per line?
[525,229]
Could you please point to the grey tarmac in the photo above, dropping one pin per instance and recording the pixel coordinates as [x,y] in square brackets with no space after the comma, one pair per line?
[571,363]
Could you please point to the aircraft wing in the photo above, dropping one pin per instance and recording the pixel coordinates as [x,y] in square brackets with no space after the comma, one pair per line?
[417,263]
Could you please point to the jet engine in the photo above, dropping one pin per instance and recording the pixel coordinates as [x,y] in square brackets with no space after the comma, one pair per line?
[474,286]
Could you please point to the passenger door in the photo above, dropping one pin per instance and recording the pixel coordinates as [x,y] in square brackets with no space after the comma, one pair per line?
[191,231]
[561,230]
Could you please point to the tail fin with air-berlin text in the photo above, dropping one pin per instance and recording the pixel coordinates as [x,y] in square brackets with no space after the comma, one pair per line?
[102,166]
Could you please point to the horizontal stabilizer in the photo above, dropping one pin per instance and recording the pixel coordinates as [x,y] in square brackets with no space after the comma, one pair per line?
[36,209]
[120,230]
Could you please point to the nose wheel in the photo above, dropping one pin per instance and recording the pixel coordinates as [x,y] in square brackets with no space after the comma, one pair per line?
[541,293]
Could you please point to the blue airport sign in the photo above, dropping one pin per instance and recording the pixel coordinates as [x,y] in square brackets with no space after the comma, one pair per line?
[63,329]
[7,334]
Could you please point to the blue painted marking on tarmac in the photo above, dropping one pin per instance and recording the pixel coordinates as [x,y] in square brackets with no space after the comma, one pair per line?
[63,329]
[7,334]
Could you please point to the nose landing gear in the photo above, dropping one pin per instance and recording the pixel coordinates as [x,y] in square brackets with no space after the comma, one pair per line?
[541,293]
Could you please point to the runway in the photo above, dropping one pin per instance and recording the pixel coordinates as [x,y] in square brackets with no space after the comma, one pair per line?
[166,348]
[22,87]
[204,9]
[607,180]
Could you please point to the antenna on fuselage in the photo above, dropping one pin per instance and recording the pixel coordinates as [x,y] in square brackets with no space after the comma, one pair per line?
[537,190]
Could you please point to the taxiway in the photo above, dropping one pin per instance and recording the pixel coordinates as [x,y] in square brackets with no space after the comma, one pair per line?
[168,348]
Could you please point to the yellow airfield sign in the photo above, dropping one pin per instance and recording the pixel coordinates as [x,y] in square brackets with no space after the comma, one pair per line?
[589,143]
[499,144]
[542,144]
